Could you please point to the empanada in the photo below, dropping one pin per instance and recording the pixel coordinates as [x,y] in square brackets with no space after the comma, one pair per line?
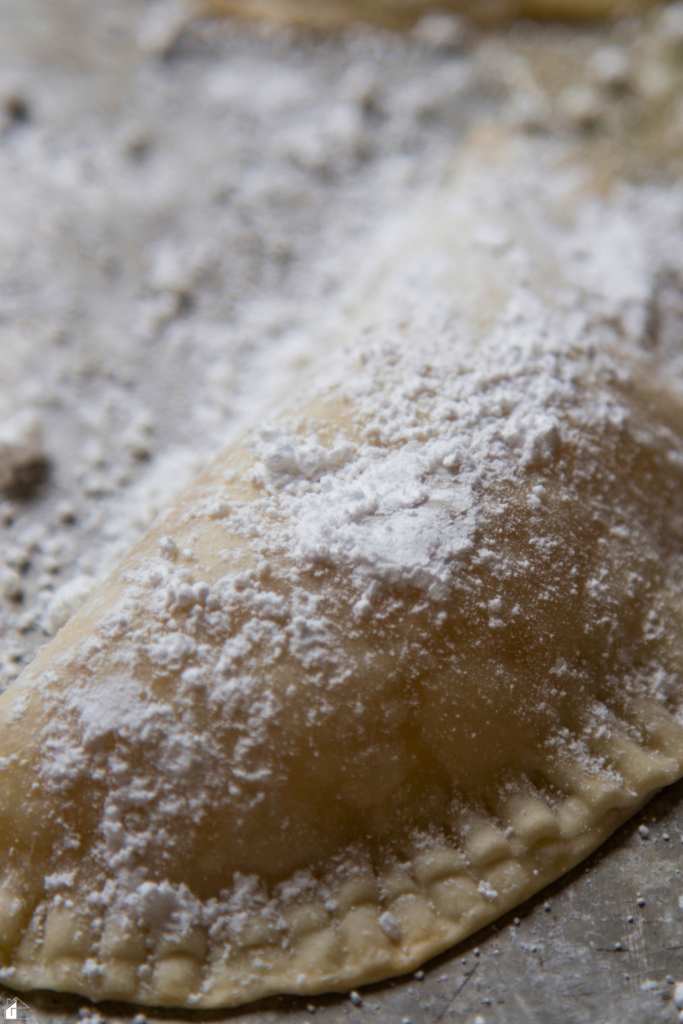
[391,666]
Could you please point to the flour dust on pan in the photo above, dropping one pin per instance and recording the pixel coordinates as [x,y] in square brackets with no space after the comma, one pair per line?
[398,660]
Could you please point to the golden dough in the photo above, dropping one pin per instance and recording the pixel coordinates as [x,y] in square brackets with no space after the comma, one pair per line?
[390,667]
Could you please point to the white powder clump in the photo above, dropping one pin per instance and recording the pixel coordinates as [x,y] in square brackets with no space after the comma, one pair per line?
[487,891]
[390,926]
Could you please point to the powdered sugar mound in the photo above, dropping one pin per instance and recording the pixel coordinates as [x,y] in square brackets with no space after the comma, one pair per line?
[438,422]
[379,519]
[158,906]
[286,458]
[112,709]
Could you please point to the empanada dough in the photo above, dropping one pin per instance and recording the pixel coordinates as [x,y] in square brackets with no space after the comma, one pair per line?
[391,666]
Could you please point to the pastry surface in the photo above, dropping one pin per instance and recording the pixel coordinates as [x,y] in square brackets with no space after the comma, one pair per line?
[391,666]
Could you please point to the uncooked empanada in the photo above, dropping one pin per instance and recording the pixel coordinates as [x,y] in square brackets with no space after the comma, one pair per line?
[391,666]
